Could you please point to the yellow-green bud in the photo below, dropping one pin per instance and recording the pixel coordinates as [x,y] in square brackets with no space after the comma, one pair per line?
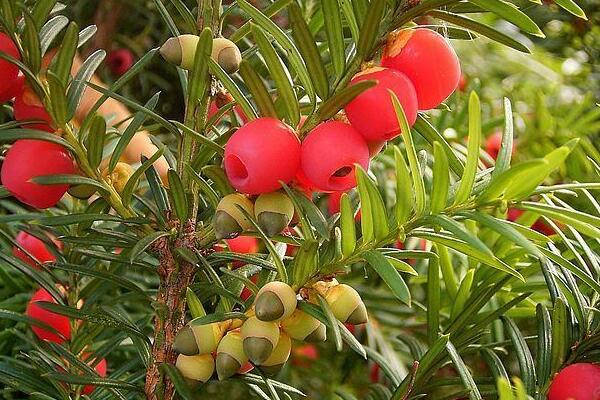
[198,339]
[280,355]
[226,54]
[274,212]
[275,301]
[346,304]
[82,192]
[302,326]
[119,176]
[181,51]
[229,219]
[230,355]
[260,338]
[196,368]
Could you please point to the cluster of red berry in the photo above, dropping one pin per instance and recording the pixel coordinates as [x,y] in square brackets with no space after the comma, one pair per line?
[418,66]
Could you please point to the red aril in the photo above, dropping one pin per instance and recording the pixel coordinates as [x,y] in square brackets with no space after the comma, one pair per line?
[120,61]
[34,246]
[260,154]
[8,71]
[18,169]
[14,89]
[27,107]
[100,369]
[59,322]
[428,60]
[372,112]
[579,381]
[329,154]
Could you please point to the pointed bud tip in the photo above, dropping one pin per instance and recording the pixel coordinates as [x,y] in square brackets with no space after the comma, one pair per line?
[225,225]
[185,342]
[269,307]
[318,335]
[257,349]
[359,315]
[227,366]
[171,51]
[272,223]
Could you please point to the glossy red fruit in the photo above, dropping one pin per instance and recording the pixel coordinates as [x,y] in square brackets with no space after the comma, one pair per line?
[35,247]
[261,154]
[120,61]
[493,144]
[539,225]
[428,60]
[27,107]
[375,147]
[333,202]
[100,369]
[329,153]
[8,71]
[304,355]
[27,159]
[576,382]
[59,322]
[302,183]
[372,112]
[243,244]
[14,89]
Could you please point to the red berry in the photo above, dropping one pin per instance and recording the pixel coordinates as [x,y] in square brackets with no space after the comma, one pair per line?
[375,147]
[261,154]
[576,382]
[333,202]
[27,107]
[14,89]
[539,225]
[463,82]
[493,144]
[302,183]
[222,100]
[18,168]
[428,60]
[8,71]
[35,247]
[243,244]
[100,369]
[372,112]
[304,354]
[59,322]
[329,153]
[120,61]
[246,293]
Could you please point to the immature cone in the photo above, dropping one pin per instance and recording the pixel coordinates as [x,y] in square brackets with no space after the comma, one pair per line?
[119,176]
[229,219]
[198,339]
[275,301]
[260,338]
[346,304]
[274,211]
[181,51]
[302,326]
[230,355]
[197,368]
[226,54]
[280,355]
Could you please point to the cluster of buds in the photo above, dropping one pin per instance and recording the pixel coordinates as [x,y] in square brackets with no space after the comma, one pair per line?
[273,212]
[264,338]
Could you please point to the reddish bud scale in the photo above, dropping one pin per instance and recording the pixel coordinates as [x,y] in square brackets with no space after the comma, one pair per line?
[579,381]
[120,61]
[28,106]
[372,112]
[261,154]
[36,247]
[8,71]
[329,154]
[18,169]
[59,322]
[428,60]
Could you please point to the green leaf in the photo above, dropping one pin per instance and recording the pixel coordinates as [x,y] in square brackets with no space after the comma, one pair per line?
[501,182]
[309,51]
[404,196]
[415,169]
[77,86]
[58,105]
[178,195]
[544,345]
[350,18]
[63,61]
[335,35]
[468,178]
[376,205]
[279,75]
[51,30]
[232,88]
[335,103]
[464,373]
[199,79]
[572,7]
[95,141]
[67,180]
[389,274]
[559,337]
[480,28]
[144,243]
[369,30]
[433,300]
[347,226]
[366,221]
[158,191]
[134,178]
[464,291]
[441,179]
[524,357]
[333,322]
[506,148]
[181,386]
[217,317]
[458,230]
[511,13]
[585,223]
[41,10]
[258,90]
[31,44]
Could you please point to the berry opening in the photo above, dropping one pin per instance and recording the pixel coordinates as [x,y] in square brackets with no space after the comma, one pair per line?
[236,169]
[339,179]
